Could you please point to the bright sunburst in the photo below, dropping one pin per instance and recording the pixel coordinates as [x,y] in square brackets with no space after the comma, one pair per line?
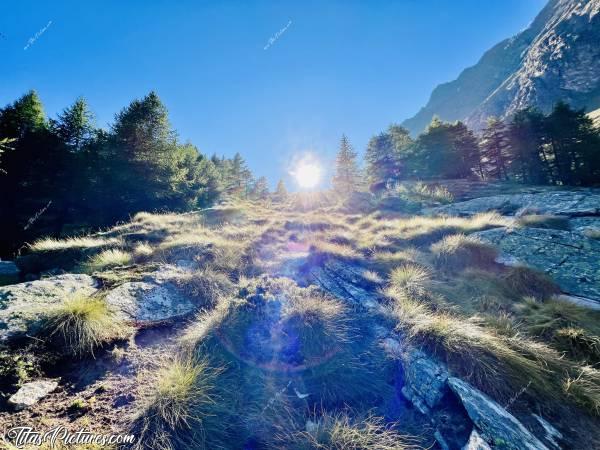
[307,174]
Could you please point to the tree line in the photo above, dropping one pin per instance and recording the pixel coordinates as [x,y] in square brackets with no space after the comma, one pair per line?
[66,175]
[559,148]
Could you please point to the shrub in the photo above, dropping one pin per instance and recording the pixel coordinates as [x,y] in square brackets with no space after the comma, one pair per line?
[81,324]
[456,252]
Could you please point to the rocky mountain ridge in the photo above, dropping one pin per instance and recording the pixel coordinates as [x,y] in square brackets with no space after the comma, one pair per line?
[555,58]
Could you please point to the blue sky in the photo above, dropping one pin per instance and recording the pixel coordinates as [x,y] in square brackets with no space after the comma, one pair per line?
[348,66]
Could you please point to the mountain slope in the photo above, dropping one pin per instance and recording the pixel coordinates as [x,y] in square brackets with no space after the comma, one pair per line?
[556,57]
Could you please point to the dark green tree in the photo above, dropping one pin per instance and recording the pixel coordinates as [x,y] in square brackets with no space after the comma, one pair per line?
[444,150]
[346,177]
[383,163]
[526,147]
[573,144]
[495,150]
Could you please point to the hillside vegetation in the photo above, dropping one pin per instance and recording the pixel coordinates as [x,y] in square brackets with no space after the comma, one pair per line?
[306,324]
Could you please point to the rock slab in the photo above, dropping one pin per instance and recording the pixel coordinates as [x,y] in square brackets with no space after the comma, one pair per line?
[572,203]
[496,425]
[31,393]
[146,303]
[570,258]
[22,302]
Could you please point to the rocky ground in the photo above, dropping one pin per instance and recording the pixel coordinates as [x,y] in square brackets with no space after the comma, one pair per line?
[448,325]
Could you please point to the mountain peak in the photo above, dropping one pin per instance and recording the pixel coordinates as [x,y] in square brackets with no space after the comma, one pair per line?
[556,58]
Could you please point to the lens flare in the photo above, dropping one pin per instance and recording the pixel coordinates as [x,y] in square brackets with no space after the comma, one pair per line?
[307,174]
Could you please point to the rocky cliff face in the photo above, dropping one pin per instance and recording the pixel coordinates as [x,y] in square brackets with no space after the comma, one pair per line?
[556,58]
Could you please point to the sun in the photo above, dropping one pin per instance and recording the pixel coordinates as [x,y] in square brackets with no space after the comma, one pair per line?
[307,174]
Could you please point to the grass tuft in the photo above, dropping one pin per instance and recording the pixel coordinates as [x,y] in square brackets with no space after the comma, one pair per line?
[408,280]
[543,221]
[457,252]
[176,408]
[80,325]
[108,259]
[529,282]
[341,432]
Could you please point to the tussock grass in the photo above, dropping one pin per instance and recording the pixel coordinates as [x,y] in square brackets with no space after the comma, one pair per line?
[526,281]
[579,344]
[499,364]
[179,407]
[584,389]
[83,242]
[143,250]
[546,318]
[338,431]
[206,286]
[457,252]
[81,324]
[108,259]
[408,280]
[542,221]
[494,363]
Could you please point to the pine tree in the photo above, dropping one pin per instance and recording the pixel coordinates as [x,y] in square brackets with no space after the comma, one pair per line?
[281,193]
[75,125]
[238,179]
[260,190]
[467,150]
[526,146]
[383,163]
[494,149]
[573,145]
[346,178]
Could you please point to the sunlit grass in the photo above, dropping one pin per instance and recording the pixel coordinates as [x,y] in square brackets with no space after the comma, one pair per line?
[175,406]
[338,431]
[83,242]
[456,252]
[108,259]
[80,325]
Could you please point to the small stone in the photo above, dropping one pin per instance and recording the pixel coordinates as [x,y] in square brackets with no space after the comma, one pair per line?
[476,442]
[31,393]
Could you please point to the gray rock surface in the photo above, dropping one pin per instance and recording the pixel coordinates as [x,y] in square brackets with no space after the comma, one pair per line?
[425,380]
[24,301]
[496,425]
[476,442]
[31,393]
[555,58]
[572,203]
[146,303]
[9,273]
[570,258]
